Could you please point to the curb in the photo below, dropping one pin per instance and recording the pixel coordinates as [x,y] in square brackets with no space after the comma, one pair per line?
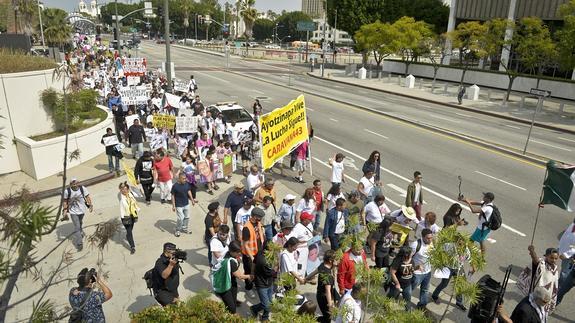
[451,105]
[204,51]
[535,159]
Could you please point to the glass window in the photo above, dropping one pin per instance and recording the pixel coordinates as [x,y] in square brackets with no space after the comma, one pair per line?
[237,115]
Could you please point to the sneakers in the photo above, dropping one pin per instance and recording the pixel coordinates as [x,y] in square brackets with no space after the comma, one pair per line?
[186,232]
[251,293]
[435,300]
[177,233]
[461,307]
[80,247]
[254,313]
[132,250]
[162,201]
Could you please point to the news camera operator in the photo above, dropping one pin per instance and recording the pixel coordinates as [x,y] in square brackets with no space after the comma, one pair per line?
[85,300]
[166,275]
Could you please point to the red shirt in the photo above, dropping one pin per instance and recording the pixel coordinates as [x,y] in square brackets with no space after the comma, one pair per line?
[164,169]
[346,271]
[318,197]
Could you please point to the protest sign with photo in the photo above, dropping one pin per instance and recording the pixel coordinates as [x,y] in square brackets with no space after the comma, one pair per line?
[110,140]
[134,66]
[133,80]
[400,233]
[205,171]
[187,124]
[282,130]
[133,95]
[180,86]
[164,121]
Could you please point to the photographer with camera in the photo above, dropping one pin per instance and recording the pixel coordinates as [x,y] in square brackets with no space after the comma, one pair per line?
[87,302]
[166,275]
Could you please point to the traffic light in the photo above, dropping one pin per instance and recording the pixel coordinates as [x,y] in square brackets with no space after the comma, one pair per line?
[115,33]
[160,11]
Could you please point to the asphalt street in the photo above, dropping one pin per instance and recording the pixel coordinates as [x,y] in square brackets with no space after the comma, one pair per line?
[405,148]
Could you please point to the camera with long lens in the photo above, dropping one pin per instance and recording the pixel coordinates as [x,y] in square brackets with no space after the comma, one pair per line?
[92,275]
[180,255]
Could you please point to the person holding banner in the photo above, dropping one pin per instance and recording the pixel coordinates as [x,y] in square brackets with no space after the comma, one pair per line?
[110,140]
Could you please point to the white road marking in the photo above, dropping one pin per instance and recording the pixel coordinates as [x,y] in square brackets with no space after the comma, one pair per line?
[513,127]
[546,144]
[491,240]
[334,120]
[310,109]
[260,92]
[354,180]
[566,139]
[463,115]
[450,200]
[349,162]
[217,78]
[375,133]
[443,118]
[402,192]
[502,181]
[511,281]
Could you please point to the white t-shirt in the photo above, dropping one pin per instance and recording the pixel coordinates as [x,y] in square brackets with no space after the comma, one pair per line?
[422,225]
[216,245]
[374,213]
[336,172]
[287,262]
[301,232]
[340,223]
[302,206]
[367,185]
[332,198]
[421,257]
[234,133]
[487,209]
[220,126]
[253,181]
[417,192]
[76,202]
[350,309]
[242,216]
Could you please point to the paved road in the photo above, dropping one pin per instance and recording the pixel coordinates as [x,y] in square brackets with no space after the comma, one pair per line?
[405,148]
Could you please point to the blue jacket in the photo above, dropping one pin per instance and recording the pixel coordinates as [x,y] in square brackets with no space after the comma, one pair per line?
[331,221]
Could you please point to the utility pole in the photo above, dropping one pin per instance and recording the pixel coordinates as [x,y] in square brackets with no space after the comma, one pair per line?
[118,46]
[41,26]
[167,39]
[196,26]
[324,39]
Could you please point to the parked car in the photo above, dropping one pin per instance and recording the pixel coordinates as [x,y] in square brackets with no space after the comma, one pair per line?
[232,111]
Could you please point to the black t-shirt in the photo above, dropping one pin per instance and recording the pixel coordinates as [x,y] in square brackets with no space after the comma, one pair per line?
[209,222]
[325,277]
[180,192]
[383,242]
[119,115]
[143,170]
[404,271]
[263,272]
[172,282]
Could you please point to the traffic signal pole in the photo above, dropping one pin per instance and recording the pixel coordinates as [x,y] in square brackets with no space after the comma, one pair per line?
[167,39]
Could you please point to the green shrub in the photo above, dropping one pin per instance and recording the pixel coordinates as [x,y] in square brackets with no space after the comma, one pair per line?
[14,61]
[81,106]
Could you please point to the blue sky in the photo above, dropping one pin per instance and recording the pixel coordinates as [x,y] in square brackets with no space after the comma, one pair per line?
[262,5]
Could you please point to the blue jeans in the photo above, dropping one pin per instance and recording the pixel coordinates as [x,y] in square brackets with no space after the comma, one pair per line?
[265,295]
[406,293]
[111,164]
[137,150]
[269,231]
[183,218]
[444,282]
[421,280]
[334,242]
[566,282]
[317,219]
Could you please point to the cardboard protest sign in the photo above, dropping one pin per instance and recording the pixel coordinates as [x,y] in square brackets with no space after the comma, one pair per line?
[164,121]
[400,233]
[130,119]
[180,86]
[134,66]
[205,171]
[133,95]
[187,124]
[133,80]
[227,163]
[186,112]
[171,100]
[110,141]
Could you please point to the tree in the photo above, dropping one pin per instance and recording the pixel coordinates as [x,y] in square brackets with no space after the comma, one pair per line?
[436,51]
[449,247]
[469,38]
[249,15]
[357,13]
[376,38]
[535,49]
[410,39]
[263,29]
[566,37]
[27,13]
[495,43]
[56,30]
[287,25]
[433,12]
[272,15]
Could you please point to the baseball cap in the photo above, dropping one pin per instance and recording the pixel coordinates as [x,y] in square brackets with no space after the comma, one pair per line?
[257,212]
[73,179]
[489,195]
[289,197]
[169,246]
[286,224]
[306,216]
[213,206]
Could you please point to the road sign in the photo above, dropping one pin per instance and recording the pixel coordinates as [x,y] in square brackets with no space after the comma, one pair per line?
[148,8]
[119,17]
[540,92]
[305,26]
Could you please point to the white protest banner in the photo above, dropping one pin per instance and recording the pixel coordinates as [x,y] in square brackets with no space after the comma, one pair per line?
[130,119]
[133,95]
[110,140]
[180,86]
[171,100]
[187,124]
[133,80]
[186,112]
[134,66]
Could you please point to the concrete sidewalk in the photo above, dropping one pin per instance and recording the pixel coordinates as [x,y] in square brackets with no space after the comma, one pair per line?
[553,115]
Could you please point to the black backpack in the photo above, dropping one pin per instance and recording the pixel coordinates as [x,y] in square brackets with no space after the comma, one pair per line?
[495,220]
[148,278]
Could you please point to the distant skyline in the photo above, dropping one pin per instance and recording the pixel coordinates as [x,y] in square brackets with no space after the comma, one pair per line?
[261,5]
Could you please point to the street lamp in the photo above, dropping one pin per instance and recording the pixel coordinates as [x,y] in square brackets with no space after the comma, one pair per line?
[281,40]
[41,27]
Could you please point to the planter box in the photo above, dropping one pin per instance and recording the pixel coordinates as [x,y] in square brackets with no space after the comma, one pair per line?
[41,159]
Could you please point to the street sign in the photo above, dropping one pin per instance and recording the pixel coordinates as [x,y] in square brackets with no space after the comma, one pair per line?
[540,92]
[148,8]
[119,17]
[305,26]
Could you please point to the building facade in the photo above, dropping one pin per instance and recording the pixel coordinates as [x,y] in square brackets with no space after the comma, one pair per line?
[488,9]
[331,34]
[313,8]
[92,10]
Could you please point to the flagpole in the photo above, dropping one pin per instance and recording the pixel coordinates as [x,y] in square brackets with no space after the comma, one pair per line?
[539,207]
[309,151]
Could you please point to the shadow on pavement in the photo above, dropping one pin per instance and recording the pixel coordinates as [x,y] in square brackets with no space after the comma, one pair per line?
[166,225]
[64,229]
[142,302]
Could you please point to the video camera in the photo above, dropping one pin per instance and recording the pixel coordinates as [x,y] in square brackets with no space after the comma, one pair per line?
[92,275]
[180,255]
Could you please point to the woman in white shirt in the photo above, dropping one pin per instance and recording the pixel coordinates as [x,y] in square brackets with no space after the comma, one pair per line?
[306,204]
[303,232]
[366,186]
[128,212]
[333,194]
[288,261]
[376,210]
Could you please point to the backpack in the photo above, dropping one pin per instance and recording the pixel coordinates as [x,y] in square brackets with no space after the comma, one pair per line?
[148,278]
[495,220]
[419,242]
[69,193]
[222,277]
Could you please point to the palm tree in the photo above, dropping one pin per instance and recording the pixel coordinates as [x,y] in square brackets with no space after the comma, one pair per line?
[56,30]
[249,14]
[27,12]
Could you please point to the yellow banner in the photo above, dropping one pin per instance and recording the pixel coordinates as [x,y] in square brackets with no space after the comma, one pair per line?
[130,174]
[282,130]
[164,121]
